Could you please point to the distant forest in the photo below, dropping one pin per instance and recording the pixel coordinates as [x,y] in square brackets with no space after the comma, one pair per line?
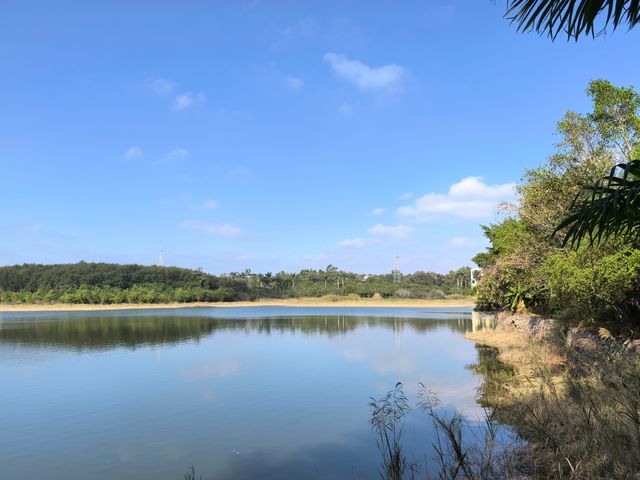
[104,283]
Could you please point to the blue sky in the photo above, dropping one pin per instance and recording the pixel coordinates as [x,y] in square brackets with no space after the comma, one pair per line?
[276,135]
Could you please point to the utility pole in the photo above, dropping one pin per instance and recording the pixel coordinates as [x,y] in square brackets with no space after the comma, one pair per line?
[397,276]
[161,259]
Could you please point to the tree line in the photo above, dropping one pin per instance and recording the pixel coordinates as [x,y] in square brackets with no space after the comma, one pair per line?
[104,283]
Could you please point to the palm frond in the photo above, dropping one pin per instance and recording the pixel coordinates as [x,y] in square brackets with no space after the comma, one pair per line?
[610,208]
[575,17]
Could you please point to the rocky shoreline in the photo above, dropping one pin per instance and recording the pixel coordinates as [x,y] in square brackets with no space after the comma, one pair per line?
[537,328]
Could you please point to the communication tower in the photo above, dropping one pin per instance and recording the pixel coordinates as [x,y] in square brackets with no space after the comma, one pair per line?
[397,276]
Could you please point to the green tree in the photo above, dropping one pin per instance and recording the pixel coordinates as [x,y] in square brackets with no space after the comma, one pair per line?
[610,205]
[505,237]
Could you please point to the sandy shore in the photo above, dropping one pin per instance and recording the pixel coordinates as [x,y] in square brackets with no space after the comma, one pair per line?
[290,302]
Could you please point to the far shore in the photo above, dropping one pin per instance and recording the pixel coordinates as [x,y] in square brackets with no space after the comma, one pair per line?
[289,302]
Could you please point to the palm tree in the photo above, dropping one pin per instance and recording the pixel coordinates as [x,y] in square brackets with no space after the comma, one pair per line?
[575,17]
[610,208]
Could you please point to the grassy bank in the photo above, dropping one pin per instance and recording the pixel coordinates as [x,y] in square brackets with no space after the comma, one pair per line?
[326,301]
[527,359]
[574,398]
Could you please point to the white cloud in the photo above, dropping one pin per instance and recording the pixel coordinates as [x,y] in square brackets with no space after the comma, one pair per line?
[188,99]
[378,211]
[176,155]
[133,153]
[294,83]
[394,231]
[460,242]
[406,196]
[353,242]
[469,198]
[210,204]
[161,86]
[364,77]
[211,229]
[165,88]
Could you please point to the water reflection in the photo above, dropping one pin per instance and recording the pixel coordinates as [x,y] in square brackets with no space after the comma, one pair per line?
[99,330]
[495,373]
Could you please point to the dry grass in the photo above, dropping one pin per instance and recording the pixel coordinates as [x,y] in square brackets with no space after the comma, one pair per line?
[578,410]
[530,359]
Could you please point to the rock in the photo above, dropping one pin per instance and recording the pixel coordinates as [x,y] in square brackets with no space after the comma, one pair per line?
[589,342]
[532,326]
[633,346]
[585,345]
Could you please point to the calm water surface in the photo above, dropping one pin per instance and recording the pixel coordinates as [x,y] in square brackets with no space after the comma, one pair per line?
[240,393]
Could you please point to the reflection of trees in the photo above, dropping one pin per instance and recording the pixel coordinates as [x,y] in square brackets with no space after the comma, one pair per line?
[494,373]
[103,331]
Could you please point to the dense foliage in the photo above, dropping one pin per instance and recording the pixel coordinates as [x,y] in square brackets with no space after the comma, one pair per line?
[102,283]
[530,264]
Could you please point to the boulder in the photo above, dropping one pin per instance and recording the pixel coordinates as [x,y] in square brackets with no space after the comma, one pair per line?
[533,326]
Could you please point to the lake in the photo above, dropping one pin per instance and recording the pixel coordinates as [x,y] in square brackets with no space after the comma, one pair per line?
[237,392]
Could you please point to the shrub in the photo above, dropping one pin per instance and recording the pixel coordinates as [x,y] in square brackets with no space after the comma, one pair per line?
[594,284]
[509,282]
